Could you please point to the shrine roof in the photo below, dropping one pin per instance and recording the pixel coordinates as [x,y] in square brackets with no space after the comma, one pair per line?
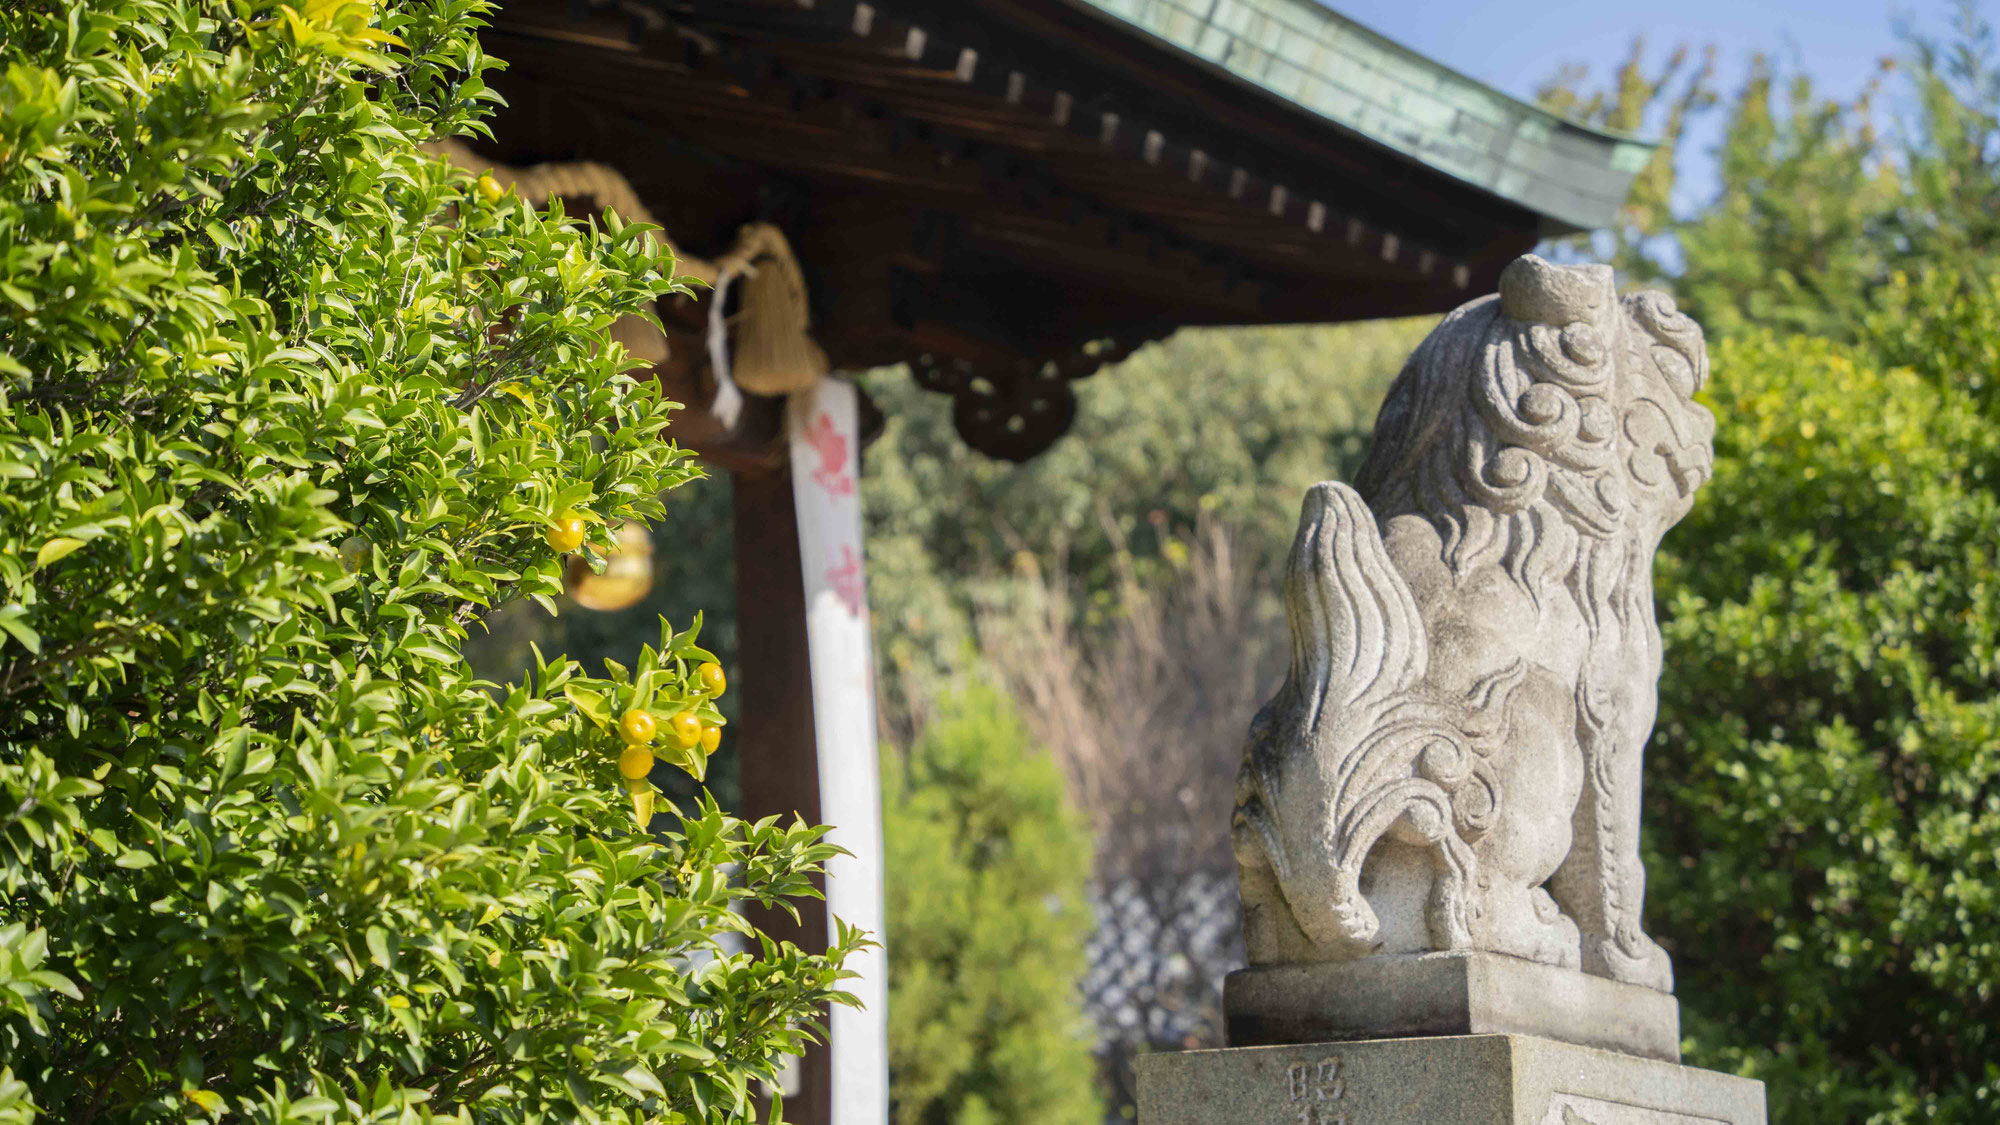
[1312,57]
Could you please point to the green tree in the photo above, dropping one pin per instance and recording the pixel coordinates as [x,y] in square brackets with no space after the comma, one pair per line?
[986,926]
[284,406]
[1799,236]
[1950,216]
[1796,236]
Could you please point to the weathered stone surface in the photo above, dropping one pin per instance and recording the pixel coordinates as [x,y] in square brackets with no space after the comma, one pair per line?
[1447,994]
[1447,1080]
[1454,761]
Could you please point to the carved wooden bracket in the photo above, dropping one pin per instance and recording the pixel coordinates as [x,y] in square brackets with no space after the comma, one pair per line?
[1013,410]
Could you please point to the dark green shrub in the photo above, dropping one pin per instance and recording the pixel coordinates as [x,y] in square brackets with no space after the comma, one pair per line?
[1825,781]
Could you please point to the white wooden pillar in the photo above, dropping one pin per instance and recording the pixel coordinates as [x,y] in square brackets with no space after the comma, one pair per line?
[823,429]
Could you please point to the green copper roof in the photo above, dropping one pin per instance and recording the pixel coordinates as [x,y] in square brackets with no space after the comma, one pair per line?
[1328,64]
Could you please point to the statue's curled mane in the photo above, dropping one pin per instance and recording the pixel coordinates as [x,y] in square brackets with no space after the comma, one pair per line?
[1540,473]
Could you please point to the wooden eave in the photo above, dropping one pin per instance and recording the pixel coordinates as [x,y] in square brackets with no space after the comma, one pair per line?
[991,177]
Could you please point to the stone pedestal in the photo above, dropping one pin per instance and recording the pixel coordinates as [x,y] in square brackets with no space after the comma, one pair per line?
[1447,994]
[1439,1080]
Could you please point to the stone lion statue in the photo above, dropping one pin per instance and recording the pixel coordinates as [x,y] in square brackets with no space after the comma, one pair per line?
[1453,762]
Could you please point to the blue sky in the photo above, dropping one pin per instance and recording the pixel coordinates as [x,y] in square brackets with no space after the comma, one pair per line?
[1515,44]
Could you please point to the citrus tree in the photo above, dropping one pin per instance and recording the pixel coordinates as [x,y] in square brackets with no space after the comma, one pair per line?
[286,407]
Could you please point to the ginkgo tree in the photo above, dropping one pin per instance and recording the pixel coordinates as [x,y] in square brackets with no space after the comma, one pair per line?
[287,406]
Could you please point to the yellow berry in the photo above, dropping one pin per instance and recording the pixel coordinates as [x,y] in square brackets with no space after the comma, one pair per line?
[489,189]
[711,737]
[636,727]
[686,727]
[566,534]
[712,680]
[635,763]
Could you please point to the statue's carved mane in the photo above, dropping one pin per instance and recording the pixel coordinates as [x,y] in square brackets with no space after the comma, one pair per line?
[1540,477]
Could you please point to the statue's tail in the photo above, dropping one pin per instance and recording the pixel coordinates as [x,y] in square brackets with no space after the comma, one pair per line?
[1357,644]
[1356,635]
[1350,750]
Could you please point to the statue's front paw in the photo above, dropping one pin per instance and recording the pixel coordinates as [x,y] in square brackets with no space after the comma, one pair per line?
[1633,958]
[1562,942]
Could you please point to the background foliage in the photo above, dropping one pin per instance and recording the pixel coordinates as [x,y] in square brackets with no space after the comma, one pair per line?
[284,406]
[1215,423]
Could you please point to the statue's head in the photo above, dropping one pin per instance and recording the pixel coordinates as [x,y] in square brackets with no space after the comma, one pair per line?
[1555,398]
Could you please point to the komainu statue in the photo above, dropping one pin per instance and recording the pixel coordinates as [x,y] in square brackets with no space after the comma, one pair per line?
[1454,761]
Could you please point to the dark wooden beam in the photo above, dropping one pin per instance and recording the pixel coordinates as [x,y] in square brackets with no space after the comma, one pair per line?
[774,740]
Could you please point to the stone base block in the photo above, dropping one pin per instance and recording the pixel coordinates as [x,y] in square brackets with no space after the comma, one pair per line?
[1444,1080]
[1447,994]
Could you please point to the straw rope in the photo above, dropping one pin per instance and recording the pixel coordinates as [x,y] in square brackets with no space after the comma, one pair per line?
[766,346]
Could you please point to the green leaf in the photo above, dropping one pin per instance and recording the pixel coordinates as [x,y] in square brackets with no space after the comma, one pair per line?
[56,549]
[19,296]
[11,623]
[378,946]
[590,703]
